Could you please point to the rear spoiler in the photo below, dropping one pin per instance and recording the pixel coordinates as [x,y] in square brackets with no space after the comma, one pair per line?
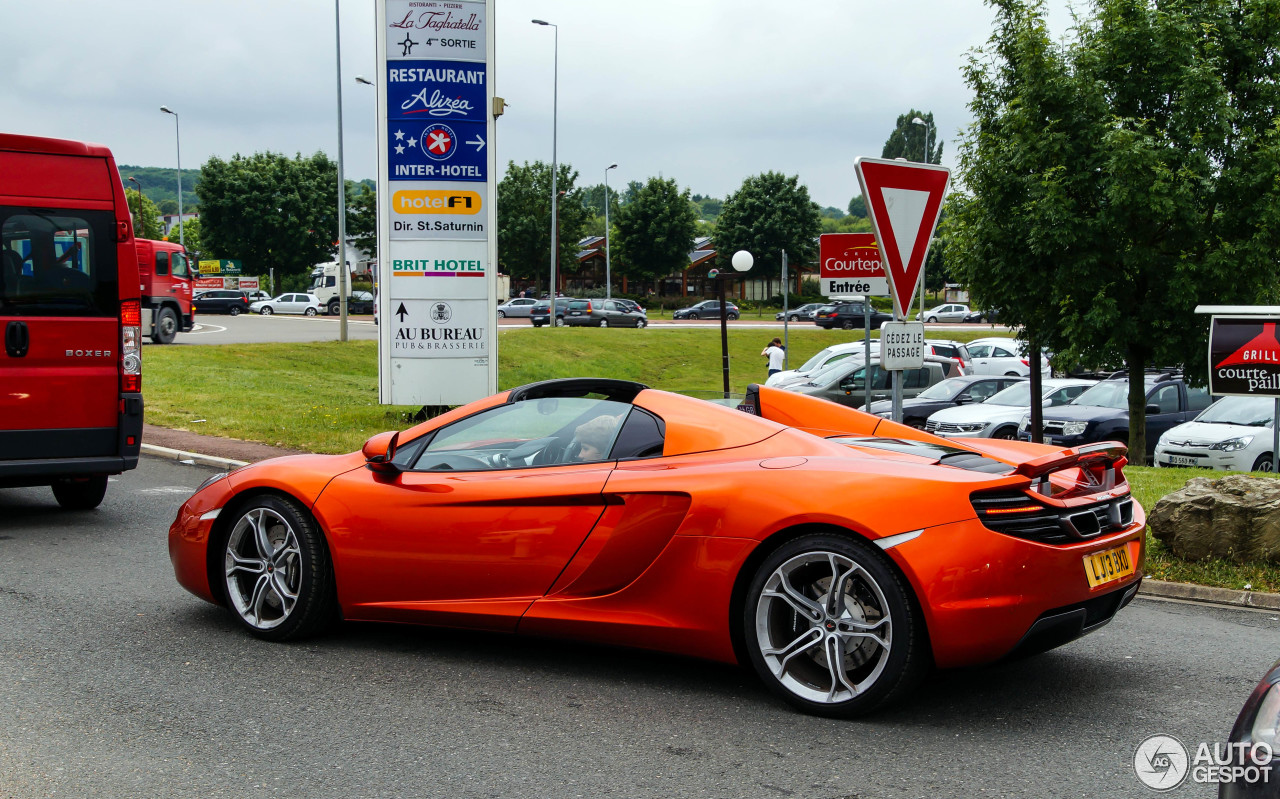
[1099,465]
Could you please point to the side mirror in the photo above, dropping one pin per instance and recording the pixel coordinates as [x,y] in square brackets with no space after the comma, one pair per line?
[1153,408]
[379,450]
[964,399]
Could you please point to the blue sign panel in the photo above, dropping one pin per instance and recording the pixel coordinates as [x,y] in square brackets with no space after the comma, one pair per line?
[444,90]
[424,149]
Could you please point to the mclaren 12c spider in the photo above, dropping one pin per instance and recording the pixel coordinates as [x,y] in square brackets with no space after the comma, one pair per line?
[839,554]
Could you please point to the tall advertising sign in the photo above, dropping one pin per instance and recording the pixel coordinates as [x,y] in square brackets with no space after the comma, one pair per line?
[849,263]
[437,222]
[1244,357]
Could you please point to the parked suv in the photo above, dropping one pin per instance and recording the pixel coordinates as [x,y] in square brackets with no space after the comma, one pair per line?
[1102,412]
[849,315]
[846,383]
[603,313]
[219,301]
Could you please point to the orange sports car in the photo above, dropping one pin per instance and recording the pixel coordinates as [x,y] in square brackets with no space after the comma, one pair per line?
[839,554]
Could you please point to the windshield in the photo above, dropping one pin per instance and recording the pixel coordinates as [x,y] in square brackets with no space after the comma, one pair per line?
[1107,394]
[813,362]
[836,372]
[1250,411]
[1017,395]
[945,390]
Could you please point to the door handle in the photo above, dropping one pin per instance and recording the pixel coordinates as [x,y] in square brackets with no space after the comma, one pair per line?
[17,339]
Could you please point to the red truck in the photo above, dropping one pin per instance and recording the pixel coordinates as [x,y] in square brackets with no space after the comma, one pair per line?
[165,272]
[71,368]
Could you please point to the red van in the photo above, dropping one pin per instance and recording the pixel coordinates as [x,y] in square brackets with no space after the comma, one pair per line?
[71,371]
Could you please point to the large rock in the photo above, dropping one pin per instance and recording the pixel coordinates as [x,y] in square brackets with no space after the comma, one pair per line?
[1236,518]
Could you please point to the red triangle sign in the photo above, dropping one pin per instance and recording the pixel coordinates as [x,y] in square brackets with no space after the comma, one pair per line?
[904,199]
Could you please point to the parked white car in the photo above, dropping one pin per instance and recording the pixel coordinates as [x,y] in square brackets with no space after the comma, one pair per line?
[951,312]
[999,415]
[1004,356]
[1233,433]
[825,357]
[306,304]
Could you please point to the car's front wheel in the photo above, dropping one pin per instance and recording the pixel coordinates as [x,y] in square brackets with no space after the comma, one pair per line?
[266,310]
[832,628]
[277,576]
[1263,463]
[933,320]
[733,317]
[502,315]
[641,323]
[1006,433]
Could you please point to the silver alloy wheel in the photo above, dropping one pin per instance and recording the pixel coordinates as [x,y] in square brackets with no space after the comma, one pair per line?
[263,568]
[604,322]
[824,627]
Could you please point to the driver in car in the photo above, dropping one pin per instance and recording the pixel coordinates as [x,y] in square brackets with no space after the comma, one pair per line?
[594,438]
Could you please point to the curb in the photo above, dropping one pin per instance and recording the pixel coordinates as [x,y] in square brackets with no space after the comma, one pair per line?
[192,457]
[1205,595]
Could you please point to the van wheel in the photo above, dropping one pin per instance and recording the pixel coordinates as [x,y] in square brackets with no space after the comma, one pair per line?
[234,310]
[80,493]
[165,328]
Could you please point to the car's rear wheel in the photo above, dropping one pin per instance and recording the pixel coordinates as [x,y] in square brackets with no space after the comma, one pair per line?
[604,323]
[234,310]
[1007,433]
[832,628]
[1263,463]
[80,493]
[276,572]
[266,310]
[166,326]
[310,312]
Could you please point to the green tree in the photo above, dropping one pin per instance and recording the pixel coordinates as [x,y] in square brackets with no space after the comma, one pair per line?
[908,139]
[271,211]
[188,232]
[858,206]
[656,230]
[362,217]
[146,217]
[1121,178]
[524,220]
[769,213]
[593,199]
[169,207]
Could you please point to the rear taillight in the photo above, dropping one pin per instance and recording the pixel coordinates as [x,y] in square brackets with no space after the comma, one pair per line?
[130,346]
[1026,362]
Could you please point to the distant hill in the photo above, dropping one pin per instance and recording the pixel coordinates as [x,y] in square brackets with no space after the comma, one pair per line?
[161,183]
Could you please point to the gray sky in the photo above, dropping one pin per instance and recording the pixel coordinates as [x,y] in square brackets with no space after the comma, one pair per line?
[705,91]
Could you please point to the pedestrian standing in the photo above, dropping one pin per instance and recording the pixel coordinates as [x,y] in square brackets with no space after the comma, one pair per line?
[776,355]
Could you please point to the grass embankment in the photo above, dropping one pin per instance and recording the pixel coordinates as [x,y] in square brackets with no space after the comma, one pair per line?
[323,397]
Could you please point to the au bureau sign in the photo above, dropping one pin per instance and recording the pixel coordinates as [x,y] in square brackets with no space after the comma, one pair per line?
[437,246]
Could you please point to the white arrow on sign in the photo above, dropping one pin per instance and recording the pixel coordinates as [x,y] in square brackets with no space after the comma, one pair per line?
[478,142]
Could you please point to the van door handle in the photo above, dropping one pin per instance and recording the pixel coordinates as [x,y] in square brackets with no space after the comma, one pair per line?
[17,339]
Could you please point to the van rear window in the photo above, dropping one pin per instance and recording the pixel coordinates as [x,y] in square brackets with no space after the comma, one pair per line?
[57,263]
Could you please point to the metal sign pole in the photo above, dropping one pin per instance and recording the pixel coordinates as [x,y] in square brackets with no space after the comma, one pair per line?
[897,373]
[1275,440]
[866,351]
[786,329]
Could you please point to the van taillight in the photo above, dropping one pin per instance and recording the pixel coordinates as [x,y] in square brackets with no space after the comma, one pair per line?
[130,346]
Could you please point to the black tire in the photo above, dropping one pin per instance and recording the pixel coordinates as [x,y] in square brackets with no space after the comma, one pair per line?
[932,320]
[165,327]
[1262,464]
[266,311]
[847,324]
[333,309]
[692,316]
[641,323]
[251,581]
[1012,374]
[310,312]
[1007,433]
[604,323]
[559,321]
[80,493]
[874,671]
[234,310]
[733,317]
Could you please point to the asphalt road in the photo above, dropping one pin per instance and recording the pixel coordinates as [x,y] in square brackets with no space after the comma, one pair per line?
[252,328]
[116,683]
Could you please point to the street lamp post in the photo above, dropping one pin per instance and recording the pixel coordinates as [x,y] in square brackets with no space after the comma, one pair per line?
[927,130]
[343,275]
[608,277]
[177,134]
[742,261]
[555,99]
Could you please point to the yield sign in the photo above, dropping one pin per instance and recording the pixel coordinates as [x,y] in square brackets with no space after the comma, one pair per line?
[904,200]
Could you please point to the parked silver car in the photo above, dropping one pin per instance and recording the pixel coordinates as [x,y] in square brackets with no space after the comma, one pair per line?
[950,312]
[517,308]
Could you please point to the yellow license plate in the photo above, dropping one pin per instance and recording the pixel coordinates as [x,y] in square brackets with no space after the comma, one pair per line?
[1108,566]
